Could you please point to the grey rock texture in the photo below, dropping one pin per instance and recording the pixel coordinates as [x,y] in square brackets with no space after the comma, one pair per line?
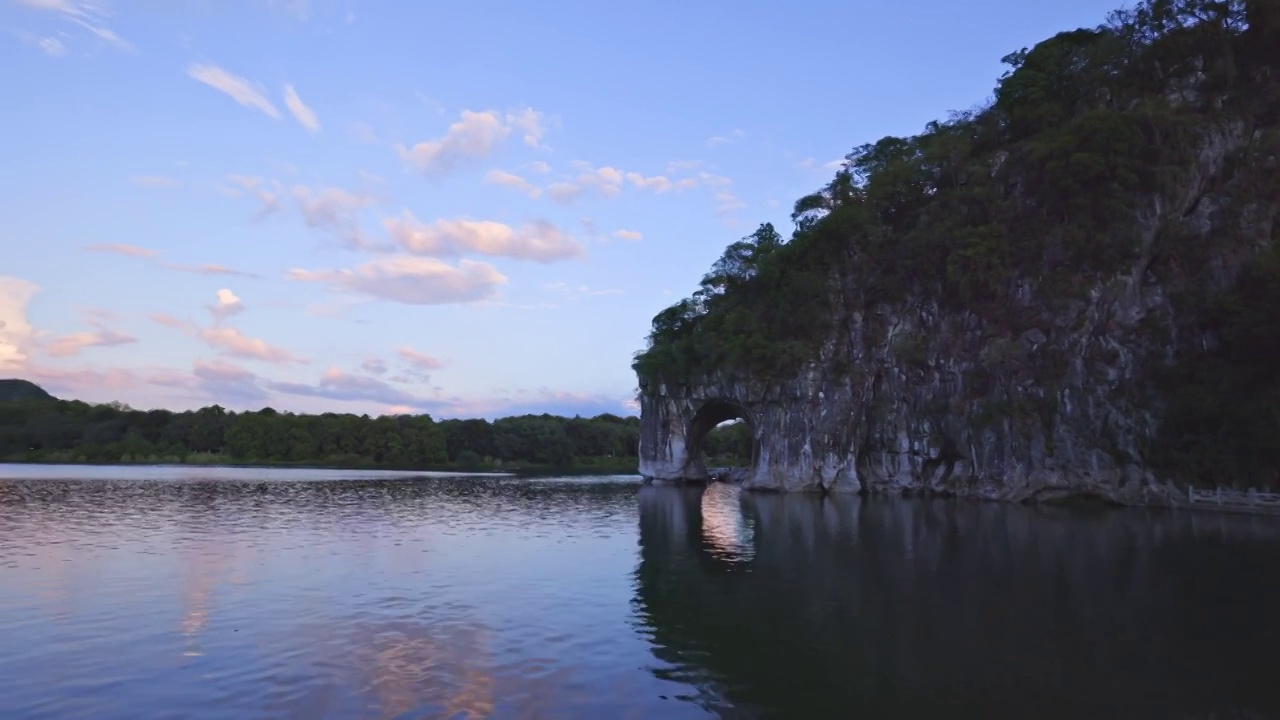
[911,398]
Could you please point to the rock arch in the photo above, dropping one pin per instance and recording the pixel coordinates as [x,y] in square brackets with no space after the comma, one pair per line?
[706,417]
[785,455]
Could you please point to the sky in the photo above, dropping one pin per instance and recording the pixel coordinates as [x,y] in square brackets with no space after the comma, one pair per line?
[465,209]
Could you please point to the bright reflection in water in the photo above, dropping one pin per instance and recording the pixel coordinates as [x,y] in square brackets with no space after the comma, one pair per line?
[727,533]
[139,593]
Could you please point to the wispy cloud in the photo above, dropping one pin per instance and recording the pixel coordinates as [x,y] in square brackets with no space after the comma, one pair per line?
[334,210]
[336,384]
[506,179]
[209,269]
[412,280]
[68,345]
[168,320]
[305,116]
[235,87]
[154,181]
[268,199]
[232,342]
[634,235]
[539,241]
[573,293]
[731,137]
[47,44]
[222,381]
[374,365]
[609,181]
[122,249]
[419,360]
[473,137]
[148,254]
[90,15]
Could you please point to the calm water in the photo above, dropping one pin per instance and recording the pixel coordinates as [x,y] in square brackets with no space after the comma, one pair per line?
[203,593]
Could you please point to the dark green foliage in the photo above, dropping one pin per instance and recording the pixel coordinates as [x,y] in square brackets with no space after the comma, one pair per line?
[1223,423]
[1050,185]
[67,431]
[17,390]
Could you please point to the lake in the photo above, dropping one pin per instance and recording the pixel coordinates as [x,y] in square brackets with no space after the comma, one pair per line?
[183,592]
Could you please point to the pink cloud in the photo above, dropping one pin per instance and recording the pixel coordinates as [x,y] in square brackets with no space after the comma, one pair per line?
[122,249]
[69,345]
[231,342]
[420,361]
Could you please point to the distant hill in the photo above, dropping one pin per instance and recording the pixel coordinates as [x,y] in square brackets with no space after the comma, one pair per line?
[13,390]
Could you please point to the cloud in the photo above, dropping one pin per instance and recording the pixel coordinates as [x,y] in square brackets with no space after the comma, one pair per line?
[90,15]
[714,181]
[234,86]
[528,122]
[472,137]
[335,384]
[16,333]
[504,178]
[168,320]
[154,181]
[122,249]
[374,365]
[813,165]
[269,201]
[608,182]
[605,180]
[75,383]
[657,183]
[148,254]
[209,269]
[412,280]
[228,305]
[305,116]
[51,46]
[726,139]
[69,345]
[539,241]
[363,132]
[591,230]
[222,381]
[570,293]
[300,9]
[420,361]
[628,235]
[334,210]
[538,167]
[230,341]
[727,203]
[679,166]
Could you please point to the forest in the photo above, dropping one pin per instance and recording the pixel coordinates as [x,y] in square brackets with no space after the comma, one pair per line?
[35,427]
[1041,186]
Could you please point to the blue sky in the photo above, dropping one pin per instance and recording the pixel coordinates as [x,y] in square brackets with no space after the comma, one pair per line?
[467,209]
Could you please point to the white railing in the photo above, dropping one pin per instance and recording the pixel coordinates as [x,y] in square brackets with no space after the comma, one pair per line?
[1250,498]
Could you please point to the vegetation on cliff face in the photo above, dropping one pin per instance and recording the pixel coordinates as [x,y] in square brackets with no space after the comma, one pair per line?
[48,430]
[1053,187]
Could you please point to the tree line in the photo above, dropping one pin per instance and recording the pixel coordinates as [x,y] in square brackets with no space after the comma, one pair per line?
[44,429]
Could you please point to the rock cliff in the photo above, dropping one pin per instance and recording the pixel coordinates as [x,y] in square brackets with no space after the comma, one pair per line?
[1052,392]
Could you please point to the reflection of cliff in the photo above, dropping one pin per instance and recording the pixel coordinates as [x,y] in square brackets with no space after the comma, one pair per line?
[946,609]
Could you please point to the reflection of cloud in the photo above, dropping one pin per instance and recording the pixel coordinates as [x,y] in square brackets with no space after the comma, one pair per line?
[723,526]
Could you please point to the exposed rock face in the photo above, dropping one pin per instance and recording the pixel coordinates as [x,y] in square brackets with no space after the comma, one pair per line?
[911,398]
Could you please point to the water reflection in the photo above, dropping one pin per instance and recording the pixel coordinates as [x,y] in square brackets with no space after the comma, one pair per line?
[250,595]
[949,609]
